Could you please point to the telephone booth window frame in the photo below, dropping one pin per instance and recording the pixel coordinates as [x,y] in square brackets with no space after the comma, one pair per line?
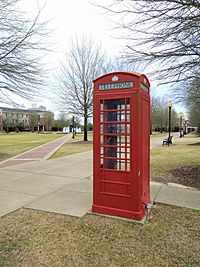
[114,134]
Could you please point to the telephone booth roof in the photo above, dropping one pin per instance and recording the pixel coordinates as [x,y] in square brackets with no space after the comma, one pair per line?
[125,73]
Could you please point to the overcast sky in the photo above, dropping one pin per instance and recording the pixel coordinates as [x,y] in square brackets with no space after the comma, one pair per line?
[77,17]
[74,18]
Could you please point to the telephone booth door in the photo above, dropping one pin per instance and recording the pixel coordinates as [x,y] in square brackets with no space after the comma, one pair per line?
[115,135]
[112,136]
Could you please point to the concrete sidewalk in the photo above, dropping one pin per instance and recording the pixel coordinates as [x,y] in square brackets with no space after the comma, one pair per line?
[64,186]
[42,152]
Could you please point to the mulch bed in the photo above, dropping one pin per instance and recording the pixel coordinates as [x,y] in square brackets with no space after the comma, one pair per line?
[188,175]
[185,175]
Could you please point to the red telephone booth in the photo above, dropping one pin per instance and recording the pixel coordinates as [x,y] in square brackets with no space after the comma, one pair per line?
[121,160]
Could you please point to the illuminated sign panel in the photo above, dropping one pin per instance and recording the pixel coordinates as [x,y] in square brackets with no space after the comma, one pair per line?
[108,86]
[144,87]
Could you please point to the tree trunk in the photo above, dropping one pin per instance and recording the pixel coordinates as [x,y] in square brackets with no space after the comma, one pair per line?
[85,127]
[161,126]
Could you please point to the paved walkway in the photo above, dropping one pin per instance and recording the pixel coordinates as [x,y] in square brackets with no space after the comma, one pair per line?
[42,152]
[64,186]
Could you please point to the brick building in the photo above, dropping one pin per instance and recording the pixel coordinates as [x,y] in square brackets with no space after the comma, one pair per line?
[25,119]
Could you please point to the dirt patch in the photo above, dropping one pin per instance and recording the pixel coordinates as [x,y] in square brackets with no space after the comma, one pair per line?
[188,175]
[195,144]
[4,156]
[185,175]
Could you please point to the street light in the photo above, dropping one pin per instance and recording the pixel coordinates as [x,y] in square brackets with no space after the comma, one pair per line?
[6,123]
[185,126]
[181,123]
[170,111]
[38,124]
[38,127]
[73,127]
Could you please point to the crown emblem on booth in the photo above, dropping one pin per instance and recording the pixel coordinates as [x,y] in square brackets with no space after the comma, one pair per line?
[115,78]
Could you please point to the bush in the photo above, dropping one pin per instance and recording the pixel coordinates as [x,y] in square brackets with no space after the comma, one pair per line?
[57,129]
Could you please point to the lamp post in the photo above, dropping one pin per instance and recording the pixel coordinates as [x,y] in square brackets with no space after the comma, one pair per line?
[38,124]
[186,125]
[38,127]
[181,122]
[170,111]
[6,124]
[73,127]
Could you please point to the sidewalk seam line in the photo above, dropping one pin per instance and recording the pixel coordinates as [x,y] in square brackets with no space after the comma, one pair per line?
[6,190]
[154,200]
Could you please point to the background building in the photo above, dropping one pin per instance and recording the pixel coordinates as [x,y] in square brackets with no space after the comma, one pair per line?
[13,119]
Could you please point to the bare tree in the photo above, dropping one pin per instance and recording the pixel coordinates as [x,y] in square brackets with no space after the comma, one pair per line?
[194,115]
[20,45]
[193,92]
[159,114]
[187,93]
[82,64]
[192,101]
[163,32]
[121,64]
[63,120]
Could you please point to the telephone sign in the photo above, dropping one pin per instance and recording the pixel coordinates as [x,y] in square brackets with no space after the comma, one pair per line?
[115,85]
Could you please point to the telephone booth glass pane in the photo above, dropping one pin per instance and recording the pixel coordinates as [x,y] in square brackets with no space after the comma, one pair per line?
[113,116]
[115,134]
[114,128]
[114,103]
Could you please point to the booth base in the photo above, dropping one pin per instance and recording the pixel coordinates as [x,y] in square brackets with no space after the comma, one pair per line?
[131,215]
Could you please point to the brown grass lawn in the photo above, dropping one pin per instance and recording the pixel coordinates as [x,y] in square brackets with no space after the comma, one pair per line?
[73,146]
[34,238]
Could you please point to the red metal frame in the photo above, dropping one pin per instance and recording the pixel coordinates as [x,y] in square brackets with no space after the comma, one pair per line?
[121,171]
